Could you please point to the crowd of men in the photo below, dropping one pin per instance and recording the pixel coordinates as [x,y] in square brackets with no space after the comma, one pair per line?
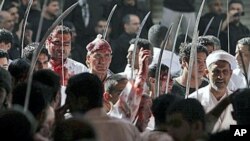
[82,86]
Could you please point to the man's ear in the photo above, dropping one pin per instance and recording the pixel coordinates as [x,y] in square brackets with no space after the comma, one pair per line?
[106,96]
[206,71]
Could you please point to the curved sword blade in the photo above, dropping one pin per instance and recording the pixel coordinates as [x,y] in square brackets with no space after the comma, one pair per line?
[193,49]
[108,22]
[208,25]
[25,18]
[135,46]
[157,72]
[1,5]
[172,54]
[38,50]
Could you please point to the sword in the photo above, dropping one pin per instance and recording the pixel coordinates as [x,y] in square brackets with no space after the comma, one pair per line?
[193,50]
[1,5]
[26,14]
[158,69]
[228,38]
[218,33]
[135,46]
[172,54]
[185,40]
[38,50]
[208,25]
[40,22]
[108,21]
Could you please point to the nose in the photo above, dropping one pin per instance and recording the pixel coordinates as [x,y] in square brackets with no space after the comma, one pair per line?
[129,56]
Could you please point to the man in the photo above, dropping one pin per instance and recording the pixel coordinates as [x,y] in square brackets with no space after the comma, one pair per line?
[113,87]
[49,15]
[220,66]
[241,106]
[120,46]
[4,59]
[215,9]
[163,80]
[207,43]
[43,57]
[84,17]
[6,21]
[156,36]
[144,45]
[101,27]
[186,120]
[6,39]
[241,77]
[159,109]
[84,96]
[99,57]
[179,86]
[59,47]
[236,29]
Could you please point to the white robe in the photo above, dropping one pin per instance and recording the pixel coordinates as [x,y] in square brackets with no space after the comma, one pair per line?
[208,101]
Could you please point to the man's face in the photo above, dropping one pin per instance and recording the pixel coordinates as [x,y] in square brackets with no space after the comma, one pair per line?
[53,8]
[201,65]
[236,8]
[245,51]
[100,27]
[14,14]
[216,7]
[5,47]
[219,74]
[144,113]
[59,46]
[133,26]
[99,61]
[163,82]
[130,56]
[4,63]
[117,91]
[8,22]
[42,62]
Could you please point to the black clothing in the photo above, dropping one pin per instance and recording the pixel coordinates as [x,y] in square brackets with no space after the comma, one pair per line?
[120,50]
[214,27]
[180,90]
[180,5]
[236,32]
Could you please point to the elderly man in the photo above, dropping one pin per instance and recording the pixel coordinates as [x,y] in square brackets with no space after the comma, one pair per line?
[240,77]
[220,66]
[99,58]
[59,47]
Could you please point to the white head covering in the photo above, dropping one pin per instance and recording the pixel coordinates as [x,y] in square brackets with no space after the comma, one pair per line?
[221,55]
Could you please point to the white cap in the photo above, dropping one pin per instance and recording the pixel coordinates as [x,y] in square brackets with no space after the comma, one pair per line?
[221,55]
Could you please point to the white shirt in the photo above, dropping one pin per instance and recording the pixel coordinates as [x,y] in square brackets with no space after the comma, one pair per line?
[208,101]
[238,80]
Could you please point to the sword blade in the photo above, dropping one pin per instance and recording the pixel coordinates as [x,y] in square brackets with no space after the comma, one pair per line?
[157,72]
[135,46]
[208,25]
[38,50]
[193,50]
[108,21]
